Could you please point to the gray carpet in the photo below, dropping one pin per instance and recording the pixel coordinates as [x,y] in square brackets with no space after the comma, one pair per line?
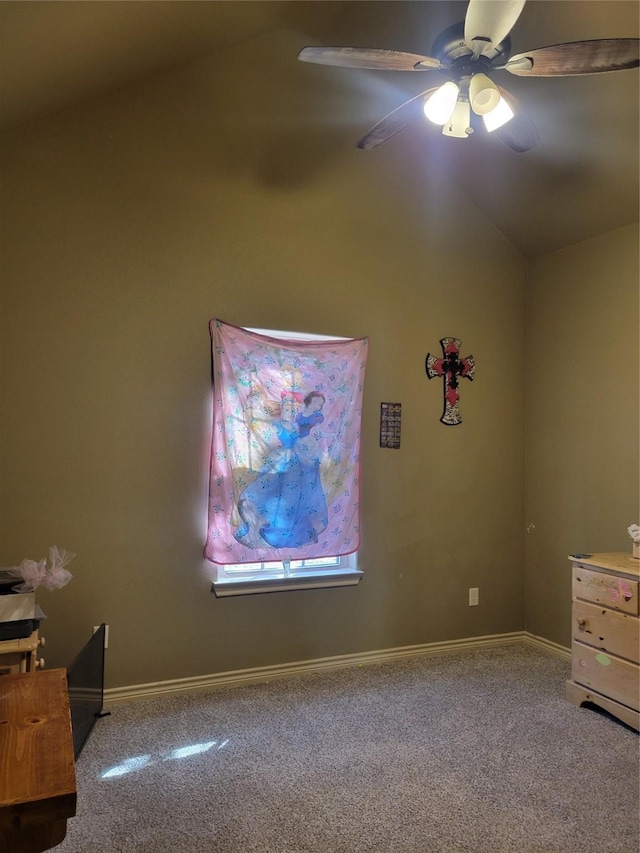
[464,751]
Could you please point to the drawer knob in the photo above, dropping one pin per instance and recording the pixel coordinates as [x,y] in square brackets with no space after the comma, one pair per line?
[581,622]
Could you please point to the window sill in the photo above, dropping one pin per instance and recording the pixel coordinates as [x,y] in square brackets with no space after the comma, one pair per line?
[283,583]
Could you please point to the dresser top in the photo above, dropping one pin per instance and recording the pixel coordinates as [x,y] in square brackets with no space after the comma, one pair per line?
[614,562]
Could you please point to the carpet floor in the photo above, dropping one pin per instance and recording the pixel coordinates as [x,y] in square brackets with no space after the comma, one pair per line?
[475,751]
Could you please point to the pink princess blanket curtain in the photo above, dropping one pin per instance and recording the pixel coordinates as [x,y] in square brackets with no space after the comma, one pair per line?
[285,447]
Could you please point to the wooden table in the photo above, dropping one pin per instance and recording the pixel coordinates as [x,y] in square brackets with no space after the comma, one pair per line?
[37,769]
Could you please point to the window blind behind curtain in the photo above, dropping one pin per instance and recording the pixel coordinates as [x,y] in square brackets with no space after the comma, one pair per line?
[285,447]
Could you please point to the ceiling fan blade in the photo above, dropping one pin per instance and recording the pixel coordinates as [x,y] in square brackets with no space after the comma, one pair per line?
[395,121]
[577,57]
[520,133]
[368,57]
[488,22]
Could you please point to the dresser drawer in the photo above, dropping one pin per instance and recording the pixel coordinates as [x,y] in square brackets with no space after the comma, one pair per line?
[605,589]
[607,630]
[11,664]
[619,679]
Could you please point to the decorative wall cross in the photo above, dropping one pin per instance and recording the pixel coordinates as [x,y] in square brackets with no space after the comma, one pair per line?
[450,367]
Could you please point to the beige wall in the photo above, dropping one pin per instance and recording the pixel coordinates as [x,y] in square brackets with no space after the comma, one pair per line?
[125,231]
[127,224]
[131,221]
[582,416]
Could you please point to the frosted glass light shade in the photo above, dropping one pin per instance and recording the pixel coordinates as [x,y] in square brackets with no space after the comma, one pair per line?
[459,121]
[440,105]
[483,94]
[498,116]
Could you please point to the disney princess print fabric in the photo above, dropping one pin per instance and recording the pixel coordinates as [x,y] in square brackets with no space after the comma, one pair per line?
[285,448]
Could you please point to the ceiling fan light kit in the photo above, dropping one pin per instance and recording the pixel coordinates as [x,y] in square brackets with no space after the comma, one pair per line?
[451,106]
[467,54]
[459,123]
[439,107]
[498,116]
[483,94]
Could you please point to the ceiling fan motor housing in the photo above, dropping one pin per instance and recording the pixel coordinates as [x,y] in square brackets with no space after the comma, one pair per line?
[456,59]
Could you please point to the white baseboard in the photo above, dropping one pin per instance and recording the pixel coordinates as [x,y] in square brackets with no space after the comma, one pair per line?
[269,673]
[547,645]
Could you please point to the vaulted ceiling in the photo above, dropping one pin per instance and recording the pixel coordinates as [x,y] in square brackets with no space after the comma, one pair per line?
[580,181]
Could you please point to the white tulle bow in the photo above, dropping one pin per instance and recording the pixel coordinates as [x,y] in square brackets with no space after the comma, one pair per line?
[35,574]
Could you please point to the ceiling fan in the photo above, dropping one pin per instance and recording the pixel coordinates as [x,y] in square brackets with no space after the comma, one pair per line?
[468,53]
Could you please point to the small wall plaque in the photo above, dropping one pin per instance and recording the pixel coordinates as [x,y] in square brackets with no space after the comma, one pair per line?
[390,414]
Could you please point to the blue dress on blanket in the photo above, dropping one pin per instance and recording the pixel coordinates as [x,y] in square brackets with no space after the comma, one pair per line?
[287,495]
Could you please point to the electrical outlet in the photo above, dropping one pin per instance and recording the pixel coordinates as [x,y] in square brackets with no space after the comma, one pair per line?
[106,634]
[474,596]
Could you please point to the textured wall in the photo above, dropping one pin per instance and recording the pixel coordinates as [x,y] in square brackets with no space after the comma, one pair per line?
[582,436]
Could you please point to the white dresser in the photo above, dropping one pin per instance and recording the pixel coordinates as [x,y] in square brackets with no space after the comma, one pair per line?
[605,640]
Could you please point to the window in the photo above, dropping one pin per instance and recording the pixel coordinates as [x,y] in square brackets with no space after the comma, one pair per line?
[244,578]
[285,471]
